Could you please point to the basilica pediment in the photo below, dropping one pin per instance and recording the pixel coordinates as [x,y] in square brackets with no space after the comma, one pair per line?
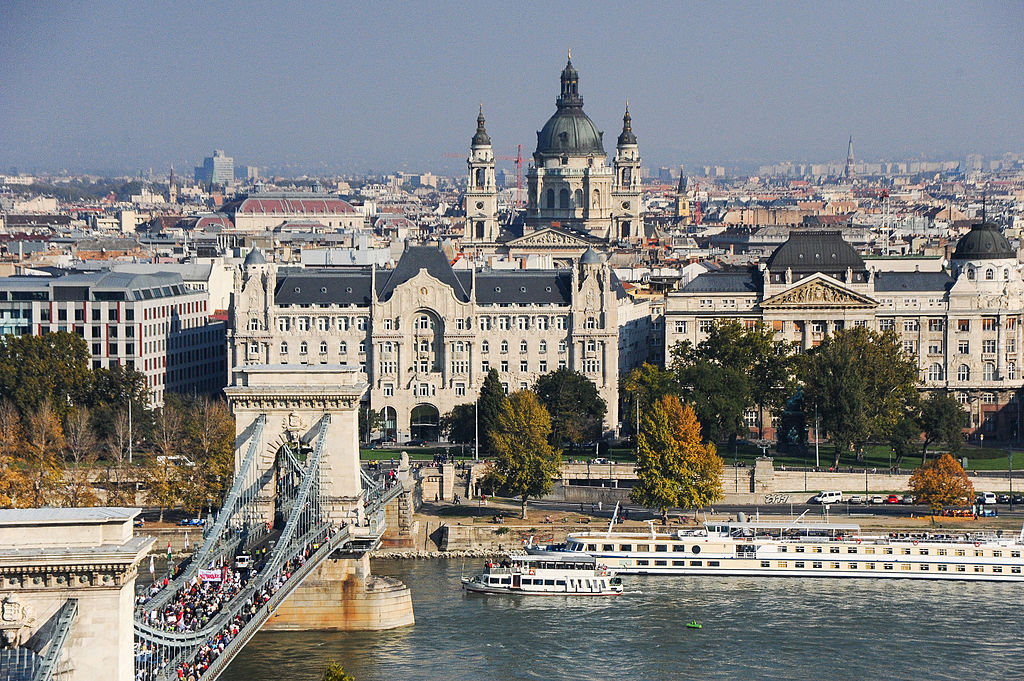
[548,237]
[819,292]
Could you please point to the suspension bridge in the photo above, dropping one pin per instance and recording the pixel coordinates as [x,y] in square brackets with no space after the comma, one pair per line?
[299,501]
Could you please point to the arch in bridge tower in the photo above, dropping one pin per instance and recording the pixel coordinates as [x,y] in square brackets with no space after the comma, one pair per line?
[294,399]
[424,420]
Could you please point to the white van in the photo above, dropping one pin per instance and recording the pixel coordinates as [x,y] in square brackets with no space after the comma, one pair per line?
[988,497]
[830,497]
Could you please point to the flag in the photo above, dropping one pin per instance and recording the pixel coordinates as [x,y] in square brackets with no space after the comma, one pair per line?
[186,541]
[170,556]
[152,567]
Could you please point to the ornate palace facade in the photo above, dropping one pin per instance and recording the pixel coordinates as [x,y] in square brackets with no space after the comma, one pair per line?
[964,325]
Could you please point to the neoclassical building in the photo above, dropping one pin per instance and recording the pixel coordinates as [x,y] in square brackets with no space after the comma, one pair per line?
[426,335]
[570,186]
[963,325]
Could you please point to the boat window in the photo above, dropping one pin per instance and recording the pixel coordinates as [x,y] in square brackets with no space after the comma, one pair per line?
[696,563]
[1013,554]
[626,547]
[678,547]
[996,554]
[799,549]
[783,549]
[643,562]
[661,562]
[942,552]
[766,563]
[979,568]
[834,566]
[833,549]
[924,566]
[853,566]
[560,582]
[816,549]
[661,548]
[979,553]
[870,549]
[906,552]
[888,566]
[591,547]
[643,548]
[616,581]
[506,580]
[783,564]
[888,550]
[549,582]
[1015,569]
[869,566]
[924,552]
[679,562]
[816,564]
[851,549]
[960,552]
[527,580]
[798,564]
[942,568]
[695,549]
[713,563]
[961,568]
[607,547]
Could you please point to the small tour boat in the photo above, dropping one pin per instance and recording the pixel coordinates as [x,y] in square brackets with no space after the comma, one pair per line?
[546,575]
[694,625]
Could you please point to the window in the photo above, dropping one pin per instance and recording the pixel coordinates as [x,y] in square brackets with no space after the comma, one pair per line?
[303,348]
[523,323]
[963,373]
[503,323]
[484,323]
[935,372]
[1011,346]
[302,323]
[591,346]
[389,324]
[1011,371]
[460,389]
[543,366]
[988,371]
[990,274]
[705,325]
[485,347]
[524,366]
[562,346]
[523,347]
[910,347]
[362,347]
[935,348]
[542,323]
[936,324]
[343,348]
[343,324]
[680,326]
[361,323]
[389,390]
[323,323]
[504,387]
[707,303]
[503,367]
[561,323]
[988,347]
[886,324]
[988,398]
[910,325]
[963,347]
[591,323]
[284,348]
[963,325]
[283,323]
[323,347]
[542,347]
[503,348]
[485,366]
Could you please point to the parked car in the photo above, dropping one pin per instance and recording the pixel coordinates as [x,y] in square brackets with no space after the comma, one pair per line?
[857,499]
[877,499]
[417,443]
[908,499]
[893,499]
[1003,498]
[987,513]
[829,497]
[1018,498]
[192,521]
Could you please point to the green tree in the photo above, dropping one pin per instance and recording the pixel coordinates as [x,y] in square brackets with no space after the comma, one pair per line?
[52,367]
[574,404]
[526,463]
[459,424]
[905,434]
[335,672]
[162,474]
[492,397]
[209,443]
[643,386]
[675,468]
[369,421]
[942,482]
[757,371]
[942,419]
[862,383]
[118,473]
[113,389]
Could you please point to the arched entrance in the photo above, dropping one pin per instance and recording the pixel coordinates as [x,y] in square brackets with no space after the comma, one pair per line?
[389,425]
[423,422]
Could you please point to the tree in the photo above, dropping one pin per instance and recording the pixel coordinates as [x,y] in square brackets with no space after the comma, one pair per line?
[80,454]
[942,419]
[675,468]
[120,490]
[526,463]
[53,367]
[45,441]
[13,483]
[335,672]
[941,482]
[757,368]
[574,404]
[492,397]
[114,389]
[645,385]
[905,434]
[369,421]
[162,474]
[210,446]
[459,425]
[862,383]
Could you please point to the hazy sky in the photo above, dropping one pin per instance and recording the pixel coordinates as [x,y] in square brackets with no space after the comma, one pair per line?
[391,86]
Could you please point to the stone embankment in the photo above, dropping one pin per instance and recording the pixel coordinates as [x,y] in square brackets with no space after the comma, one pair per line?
[433,555]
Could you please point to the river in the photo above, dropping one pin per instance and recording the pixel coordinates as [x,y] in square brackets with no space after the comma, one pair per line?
[754,628]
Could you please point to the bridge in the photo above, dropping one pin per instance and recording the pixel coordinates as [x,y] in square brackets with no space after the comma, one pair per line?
[297,523]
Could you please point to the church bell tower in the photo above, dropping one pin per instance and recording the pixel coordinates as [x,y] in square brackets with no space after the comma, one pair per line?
[482,191]
[626,220]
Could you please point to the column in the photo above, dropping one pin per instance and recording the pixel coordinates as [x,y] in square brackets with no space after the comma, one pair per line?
[1000,347]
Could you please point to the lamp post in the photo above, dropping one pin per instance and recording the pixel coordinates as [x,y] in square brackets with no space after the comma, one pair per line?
[1009,474]
[476,429]
[817,437]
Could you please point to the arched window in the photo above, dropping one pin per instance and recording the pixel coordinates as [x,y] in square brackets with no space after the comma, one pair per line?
[1006,274]
[543,347]
[596,202]
[988,371]
[1011,370]
[577,199]
[563,199]
[480,178]
[323,347]
[343,348]
[550,198]
[504,346]
[460,347]
[303,348]
[485,346]
[935,372]
[990,274]
[523,347]
[284,348]
[963,373]
[591,323]
[970,273]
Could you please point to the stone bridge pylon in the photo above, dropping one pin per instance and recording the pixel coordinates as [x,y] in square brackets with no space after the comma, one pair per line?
[287,406]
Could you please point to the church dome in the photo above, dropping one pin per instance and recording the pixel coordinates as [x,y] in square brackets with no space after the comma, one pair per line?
[984,242]
[254,257]
[570,132]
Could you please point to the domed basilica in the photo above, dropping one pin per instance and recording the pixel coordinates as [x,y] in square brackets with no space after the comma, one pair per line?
[571,189]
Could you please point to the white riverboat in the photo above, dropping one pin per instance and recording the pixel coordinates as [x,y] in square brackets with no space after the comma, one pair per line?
[546,574]
[803,549]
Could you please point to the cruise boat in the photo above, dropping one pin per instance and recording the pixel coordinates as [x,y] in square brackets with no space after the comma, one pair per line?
[546,574]
[803,549]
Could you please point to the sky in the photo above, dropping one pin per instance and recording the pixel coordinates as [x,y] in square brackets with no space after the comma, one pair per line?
[377,87]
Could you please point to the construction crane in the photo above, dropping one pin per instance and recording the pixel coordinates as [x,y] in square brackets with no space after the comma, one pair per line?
[517,160]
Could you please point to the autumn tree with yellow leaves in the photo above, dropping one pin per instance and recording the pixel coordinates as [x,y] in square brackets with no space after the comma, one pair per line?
[526,463]
[675,467]
[942,482]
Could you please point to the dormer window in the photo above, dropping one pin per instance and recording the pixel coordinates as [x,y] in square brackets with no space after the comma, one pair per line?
[970,273]
[990,274]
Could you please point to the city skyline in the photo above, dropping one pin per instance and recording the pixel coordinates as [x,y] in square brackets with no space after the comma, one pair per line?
[351,89]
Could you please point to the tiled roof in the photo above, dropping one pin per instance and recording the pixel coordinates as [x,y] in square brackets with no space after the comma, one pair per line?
[524,286]
[290,206]
[323,287]
[412,261]
[938,282]
[723,282]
